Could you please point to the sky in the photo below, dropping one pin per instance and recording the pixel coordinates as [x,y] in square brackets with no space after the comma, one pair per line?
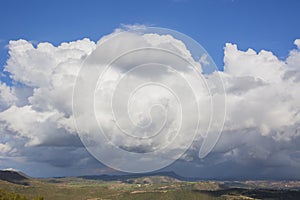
[257,24]
[255,45]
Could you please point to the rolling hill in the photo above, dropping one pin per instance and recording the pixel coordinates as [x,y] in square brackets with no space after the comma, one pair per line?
[165,186]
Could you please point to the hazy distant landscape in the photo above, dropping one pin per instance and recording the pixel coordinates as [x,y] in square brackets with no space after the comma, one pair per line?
[154,186]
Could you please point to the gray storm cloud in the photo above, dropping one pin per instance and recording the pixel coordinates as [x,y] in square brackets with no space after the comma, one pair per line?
[260,139]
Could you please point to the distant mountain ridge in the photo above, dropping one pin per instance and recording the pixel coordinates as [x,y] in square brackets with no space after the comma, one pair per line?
[125,177]
[14,177]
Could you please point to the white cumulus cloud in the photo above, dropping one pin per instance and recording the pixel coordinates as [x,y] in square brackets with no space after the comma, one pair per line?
[262,102]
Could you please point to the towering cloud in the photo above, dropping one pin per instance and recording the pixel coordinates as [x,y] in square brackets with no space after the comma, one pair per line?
[260,139]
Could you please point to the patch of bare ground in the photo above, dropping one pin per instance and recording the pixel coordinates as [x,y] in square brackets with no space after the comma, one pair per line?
[239,197]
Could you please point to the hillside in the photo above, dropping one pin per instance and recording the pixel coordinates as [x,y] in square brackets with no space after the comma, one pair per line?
[14,177]
[152,186]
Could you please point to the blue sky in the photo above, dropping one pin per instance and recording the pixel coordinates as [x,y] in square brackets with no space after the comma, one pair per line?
[270,25]
[261,142]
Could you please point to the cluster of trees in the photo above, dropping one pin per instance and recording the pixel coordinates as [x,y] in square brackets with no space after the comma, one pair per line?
[6,195]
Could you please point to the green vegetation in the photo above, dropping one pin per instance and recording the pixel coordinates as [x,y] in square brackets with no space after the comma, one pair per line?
[145,188]
[6,195]
[76,188]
